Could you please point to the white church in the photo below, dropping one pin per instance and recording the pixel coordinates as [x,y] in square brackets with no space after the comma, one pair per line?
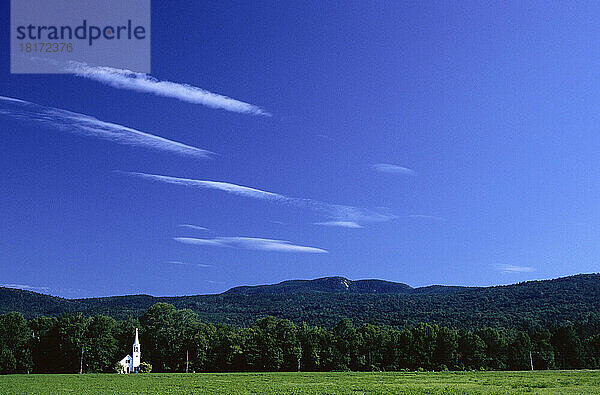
[131,363]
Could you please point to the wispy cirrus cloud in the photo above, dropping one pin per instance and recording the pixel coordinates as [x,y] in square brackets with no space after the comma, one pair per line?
[188,264]
[278,222]
[511,269]
[141,82]
[359,215]
[25,287]
[193,227]
[86,125]
[336,212]
[218,185]
[392,169]
[341,224]
[251,243]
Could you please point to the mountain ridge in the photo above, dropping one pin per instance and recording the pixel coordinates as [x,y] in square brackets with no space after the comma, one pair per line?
[335,284]
[528,303]
[364,286]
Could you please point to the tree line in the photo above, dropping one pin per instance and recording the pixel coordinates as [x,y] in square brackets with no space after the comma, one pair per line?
[173,340]
[548,303]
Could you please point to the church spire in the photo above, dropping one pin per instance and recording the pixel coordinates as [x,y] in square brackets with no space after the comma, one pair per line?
[136,355]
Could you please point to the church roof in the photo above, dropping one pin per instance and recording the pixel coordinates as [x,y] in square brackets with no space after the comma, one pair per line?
[125,358]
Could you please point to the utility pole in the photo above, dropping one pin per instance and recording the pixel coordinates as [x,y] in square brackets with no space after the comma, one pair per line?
[299,355]
[530,360]
[81,362]
[85,325]
[187,361]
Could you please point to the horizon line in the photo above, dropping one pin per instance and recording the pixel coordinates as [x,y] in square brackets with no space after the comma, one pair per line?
[302,279]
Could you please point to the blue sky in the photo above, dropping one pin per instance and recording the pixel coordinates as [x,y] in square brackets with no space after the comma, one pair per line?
[487,112]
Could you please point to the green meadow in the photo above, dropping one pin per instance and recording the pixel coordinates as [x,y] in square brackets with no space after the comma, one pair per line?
[538,382]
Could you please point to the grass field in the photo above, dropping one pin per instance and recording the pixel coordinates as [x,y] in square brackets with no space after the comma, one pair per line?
[542,382]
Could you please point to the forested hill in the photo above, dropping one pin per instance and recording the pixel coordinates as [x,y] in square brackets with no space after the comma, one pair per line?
[339,285]
[547,302]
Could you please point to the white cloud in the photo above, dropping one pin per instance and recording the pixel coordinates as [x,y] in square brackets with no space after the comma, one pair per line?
[336,212]
[188,264]
[222,186]
[278,222]
[504,268]
[194,227]
[342,224]
[393,169]
[360,215]
[140,82]
[25,287]
[251,243]
[86,125]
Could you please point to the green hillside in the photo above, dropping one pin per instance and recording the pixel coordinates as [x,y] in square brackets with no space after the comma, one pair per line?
[547,302]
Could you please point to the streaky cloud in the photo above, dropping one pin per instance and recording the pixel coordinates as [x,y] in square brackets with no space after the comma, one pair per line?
[341,224]
[278,222]
[188,264]
[25,287]
[335,212]
[251,243]
[222,186]
[359,215]
[141,82]
[511,269]
[194,227]
[392,169]
[86,125]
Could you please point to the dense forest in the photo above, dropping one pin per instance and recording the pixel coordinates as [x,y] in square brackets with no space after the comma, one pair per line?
[70,342]
[547,303]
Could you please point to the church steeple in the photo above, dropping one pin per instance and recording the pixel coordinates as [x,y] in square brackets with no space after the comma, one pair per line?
[136,355]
